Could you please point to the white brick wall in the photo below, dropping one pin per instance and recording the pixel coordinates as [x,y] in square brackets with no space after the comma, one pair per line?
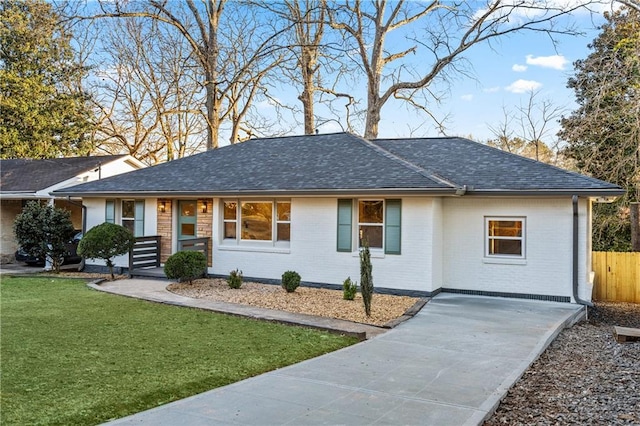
[548,267]
[313,251]
[442,246]
[96,216]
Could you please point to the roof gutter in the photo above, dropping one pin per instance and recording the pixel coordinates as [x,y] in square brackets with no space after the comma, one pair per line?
[601,193]
[574,202]
[264,193]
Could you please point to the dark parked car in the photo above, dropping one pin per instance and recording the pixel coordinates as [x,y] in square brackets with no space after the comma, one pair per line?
[71,258]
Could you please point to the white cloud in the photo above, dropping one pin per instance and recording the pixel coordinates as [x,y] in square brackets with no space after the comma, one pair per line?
[493,89]
[523,86]
[467,98]
[556,62]
[519,68]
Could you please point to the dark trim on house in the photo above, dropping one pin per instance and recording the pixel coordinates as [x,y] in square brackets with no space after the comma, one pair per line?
[549,298]
[263,193]
[613,192]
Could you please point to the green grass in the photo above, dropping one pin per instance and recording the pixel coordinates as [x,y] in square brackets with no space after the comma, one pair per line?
[72,355]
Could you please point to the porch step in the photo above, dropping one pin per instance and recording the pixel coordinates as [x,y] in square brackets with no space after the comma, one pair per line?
[148,272]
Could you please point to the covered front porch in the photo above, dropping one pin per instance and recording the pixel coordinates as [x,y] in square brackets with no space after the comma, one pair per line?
[146,257]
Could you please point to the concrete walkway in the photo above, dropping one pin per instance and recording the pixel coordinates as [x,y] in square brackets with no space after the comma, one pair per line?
[449,365]
[156,291]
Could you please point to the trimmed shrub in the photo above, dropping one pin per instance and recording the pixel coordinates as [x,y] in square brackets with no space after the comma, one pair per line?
[290,281]
[185,266]
[349,289]
[105,242]
[235,279]
[366,277]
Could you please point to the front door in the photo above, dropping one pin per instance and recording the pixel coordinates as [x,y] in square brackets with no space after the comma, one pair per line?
[187,220]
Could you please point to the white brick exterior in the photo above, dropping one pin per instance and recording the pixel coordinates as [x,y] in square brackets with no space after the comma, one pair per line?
[443,246]
[547,268]
[313,254]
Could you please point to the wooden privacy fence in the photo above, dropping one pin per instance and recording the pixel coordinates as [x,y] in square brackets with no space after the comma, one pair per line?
[617,276]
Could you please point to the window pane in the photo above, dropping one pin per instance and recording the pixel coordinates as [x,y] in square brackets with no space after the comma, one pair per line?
[129,224]
[230,210]
[370,211]
[257,221]
[284,232]
[509,247]
[230,230]
[284,211]
[373,235]
[188,230]
[505,228]
[188,208]
[128,209]
[110,211]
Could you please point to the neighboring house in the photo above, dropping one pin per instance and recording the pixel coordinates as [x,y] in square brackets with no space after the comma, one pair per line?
[22,180]
[440,214]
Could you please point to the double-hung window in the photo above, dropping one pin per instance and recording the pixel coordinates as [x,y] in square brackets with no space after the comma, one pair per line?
[378,222]
[131,215]
[248,220]
[505,237]
[230,221]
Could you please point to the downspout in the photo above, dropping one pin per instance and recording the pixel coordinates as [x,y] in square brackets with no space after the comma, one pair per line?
[574,201]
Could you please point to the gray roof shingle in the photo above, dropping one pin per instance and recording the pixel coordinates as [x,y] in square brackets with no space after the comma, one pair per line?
[24,175]
[296,163]
[484,168]
[342,162]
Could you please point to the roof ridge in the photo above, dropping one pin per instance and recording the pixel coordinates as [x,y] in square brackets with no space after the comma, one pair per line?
[404,162]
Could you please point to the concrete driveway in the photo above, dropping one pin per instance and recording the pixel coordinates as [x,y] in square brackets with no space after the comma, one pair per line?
[449,365]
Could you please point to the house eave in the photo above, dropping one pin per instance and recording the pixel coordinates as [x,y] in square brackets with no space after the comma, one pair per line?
[586,192]
[261,193]
[347,192]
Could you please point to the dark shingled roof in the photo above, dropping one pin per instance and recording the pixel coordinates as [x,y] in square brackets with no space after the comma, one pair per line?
[483,168]
[342,162]
[24,175]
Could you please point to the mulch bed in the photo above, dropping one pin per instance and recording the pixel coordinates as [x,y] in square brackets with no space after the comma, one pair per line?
[584,377]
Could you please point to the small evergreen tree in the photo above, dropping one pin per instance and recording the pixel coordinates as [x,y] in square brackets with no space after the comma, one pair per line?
[43,231]
[366,277]
[105,242]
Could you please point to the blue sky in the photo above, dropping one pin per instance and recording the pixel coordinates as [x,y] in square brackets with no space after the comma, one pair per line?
[504,75]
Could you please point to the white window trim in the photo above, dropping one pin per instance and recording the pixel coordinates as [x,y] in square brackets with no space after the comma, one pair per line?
[382,225]
[238,243]
[505,258]
[225,221]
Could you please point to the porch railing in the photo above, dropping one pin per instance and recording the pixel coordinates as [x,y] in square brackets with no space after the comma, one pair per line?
[145,253]
[195,244]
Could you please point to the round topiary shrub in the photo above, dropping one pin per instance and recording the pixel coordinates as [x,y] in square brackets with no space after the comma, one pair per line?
[290,281]
[106,241]
[185,266]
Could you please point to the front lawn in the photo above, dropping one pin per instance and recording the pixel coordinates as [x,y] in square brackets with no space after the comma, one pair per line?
[72,355]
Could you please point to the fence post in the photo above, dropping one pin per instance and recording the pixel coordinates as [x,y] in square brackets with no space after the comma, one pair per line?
[635,226]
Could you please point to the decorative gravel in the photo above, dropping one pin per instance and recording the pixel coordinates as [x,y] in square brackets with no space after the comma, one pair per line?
[305,300]
[585,377]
